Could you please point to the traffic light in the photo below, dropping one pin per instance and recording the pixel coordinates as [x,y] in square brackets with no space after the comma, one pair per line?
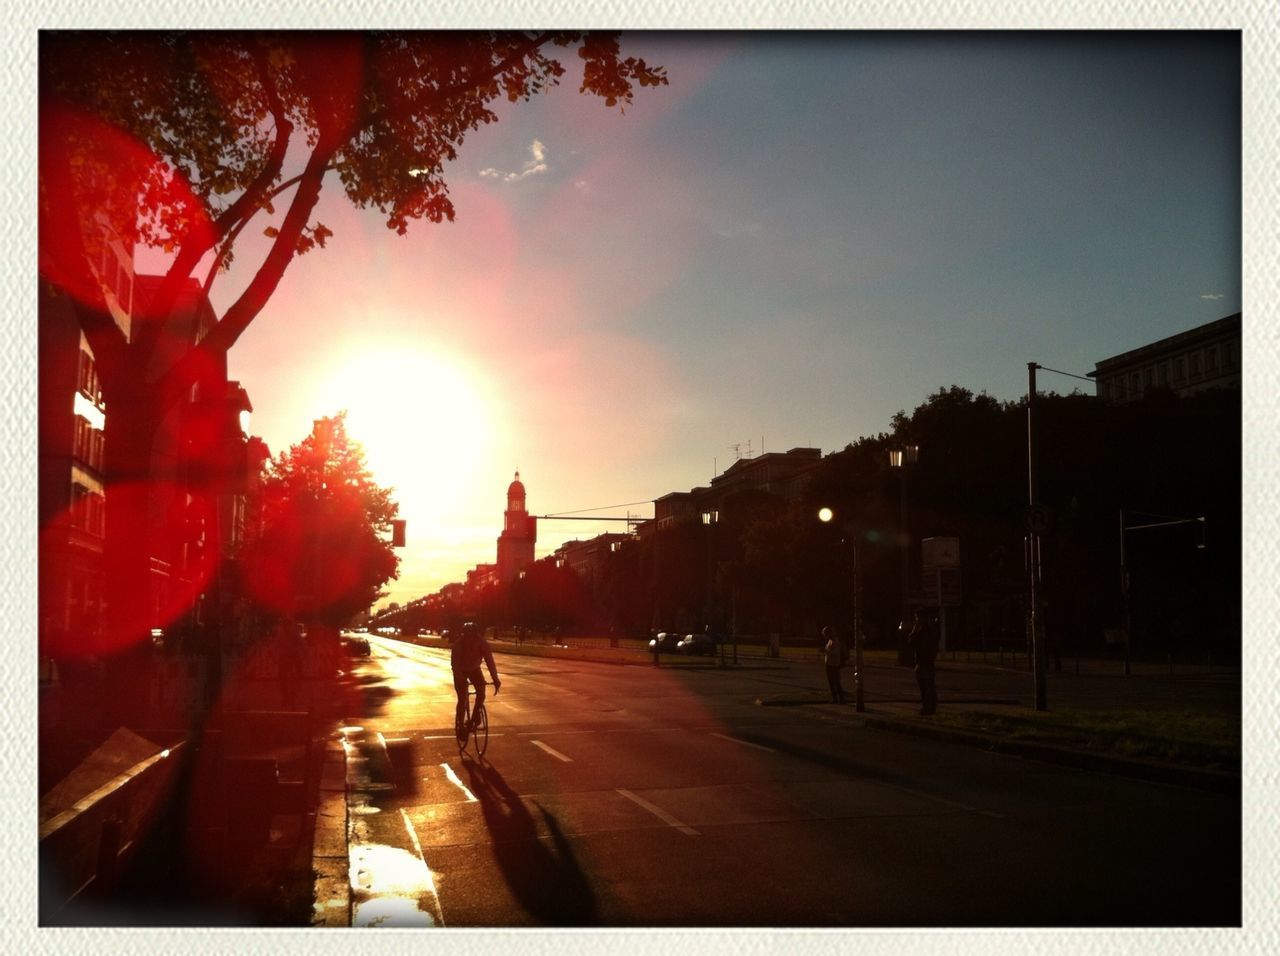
[397,533]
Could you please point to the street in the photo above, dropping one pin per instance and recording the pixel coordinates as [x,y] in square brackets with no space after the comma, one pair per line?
[638,796]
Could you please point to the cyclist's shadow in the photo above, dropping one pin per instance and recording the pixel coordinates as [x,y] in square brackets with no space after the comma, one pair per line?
[543,874]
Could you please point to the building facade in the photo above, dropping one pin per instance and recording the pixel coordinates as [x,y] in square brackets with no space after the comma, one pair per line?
[1201,358]
[72,504]
[784,474]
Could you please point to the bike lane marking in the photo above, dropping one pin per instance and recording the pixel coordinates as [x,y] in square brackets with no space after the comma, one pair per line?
[745,743]
[942,800]
[453,779]
[660,813]
[551,750]
[390,883]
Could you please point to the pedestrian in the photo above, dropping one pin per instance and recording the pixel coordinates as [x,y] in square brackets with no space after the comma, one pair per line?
[923,641]
[289,656]
[834,656]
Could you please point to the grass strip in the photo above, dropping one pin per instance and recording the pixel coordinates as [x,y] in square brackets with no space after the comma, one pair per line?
[1207,741]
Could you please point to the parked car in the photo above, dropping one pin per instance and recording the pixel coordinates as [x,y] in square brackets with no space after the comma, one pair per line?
[355,646]
[665,643]
[696,644]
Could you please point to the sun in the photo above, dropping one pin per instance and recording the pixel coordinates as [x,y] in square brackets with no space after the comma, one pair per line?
[426,420]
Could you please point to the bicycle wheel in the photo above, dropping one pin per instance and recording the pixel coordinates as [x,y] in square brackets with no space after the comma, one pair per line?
[481,732]
[460,731]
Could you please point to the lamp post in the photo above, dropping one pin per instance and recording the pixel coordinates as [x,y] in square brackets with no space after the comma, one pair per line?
[901,459]
[1034,567]
[848,535]
[710,518]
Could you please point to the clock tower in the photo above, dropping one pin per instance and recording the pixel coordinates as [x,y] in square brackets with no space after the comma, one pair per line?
[519,533]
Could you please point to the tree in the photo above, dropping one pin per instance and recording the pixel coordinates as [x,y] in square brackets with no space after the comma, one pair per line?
[182,141]
[323,553]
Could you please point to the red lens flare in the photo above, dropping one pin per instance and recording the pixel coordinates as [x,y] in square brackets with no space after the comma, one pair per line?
[169,534]
[98,185]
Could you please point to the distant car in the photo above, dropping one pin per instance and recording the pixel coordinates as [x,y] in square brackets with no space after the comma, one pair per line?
[696,644]
[665,643]
[356,646]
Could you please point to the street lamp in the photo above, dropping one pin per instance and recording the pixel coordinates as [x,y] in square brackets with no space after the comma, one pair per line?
[710,518]
[826,516]
[901,459]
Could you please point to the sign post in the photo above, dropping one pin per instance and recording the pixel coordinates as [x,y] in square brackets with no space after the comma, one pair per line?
[941,578]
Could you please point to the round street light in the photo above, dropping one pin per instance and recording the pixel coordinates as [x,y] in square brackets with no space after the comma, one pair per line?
[900,458]
[848,535]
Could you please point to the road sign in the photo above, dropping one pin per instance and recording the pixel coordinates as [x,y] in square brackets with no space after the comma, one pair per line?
[940,552]
[942,587]
[1038,519]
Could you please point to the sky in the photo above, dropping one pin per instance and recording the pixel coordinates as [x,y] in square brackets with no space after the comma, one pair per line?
[800,236]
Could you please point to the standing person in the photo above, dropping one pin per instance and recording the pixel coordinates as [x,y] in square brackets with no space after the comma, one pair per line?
[289,657]
[834,657]
[923,641]
[469,651]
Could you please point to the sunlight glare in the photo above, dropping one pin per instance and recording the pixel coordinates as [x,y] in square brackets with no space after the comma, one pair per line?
[424,418]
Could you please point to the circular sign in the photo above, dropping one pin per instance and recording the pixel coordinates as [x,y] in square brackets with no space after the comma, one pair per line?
[1039,519]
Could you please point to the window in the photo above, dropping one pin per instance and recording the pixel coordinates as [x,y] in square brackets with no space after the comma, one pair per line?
[1179,369]
[80,439]
[1195,364]
[1164,373]
[96,515]
[85,383]
[1135,385]
[1211,359]
[1151,376]
[79,506]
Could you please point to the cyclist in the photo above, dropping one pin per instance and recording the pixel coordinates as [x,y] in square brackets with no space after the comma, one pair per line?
[470,650]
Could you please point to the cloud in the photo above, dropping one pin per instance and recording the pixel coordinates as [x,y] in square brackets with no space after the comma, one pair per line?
[535,166]
[733,228]
[1213,295]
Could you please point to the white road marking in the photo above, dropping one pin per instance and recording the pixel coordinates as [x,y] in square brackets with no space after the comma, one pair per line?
[660,813]
[390,886]
[745,743]
[430,879]
[942,800]
[551,750]
[453,779]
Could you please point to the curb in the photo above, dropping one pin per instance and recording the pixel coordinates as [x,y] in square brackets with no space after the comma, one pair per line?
[330,862]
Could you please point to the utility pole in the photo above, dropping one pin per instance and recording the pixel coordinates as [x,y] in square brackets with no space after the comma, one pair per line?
[1033,543]
[1124,596]
[859,701]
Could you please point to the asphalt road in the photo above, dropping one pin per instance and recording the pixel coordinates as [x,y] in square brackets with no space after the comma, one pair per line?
[633,796]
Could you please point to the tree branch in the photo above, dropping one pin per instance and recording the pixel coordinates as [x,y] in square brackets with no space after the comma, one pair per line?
[231,220]
[251,199]
[239,227]
[237,318]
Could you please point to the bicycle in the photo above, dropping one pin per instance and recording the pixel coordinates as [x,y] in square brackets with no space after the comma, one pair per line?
[473,728]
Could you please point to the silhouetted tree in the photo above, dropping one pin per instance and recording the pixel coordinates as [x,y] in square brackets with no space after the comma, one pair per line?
[324,551]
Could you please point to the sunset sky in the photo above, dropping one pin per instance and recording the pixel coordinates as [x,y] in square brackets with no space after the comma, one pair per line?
[800,236]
